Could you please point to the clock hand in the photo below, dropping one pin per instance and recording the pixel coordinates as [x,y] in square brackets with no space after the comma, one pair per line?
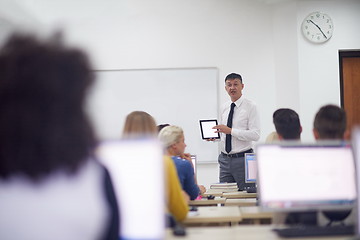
[318,28]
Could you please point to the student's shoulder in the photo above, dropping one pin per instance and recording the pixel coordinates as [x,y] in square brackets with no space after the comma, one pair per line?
[181,162]
[168,160]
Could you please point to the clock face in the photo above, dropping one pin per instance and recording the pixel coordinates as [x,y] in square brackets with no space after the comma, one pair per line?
[317,27]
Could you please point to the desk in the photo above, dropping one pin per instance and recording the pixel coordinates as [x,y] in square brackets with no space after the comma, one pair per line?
[240,202]
[244,232]
[218,192]
[255,214]
[241,194]
[206,215]
[207,202]
[214,192]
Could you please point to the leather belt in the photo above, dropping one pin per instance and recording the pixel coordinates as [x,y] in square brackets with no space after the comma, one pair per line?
[237,155]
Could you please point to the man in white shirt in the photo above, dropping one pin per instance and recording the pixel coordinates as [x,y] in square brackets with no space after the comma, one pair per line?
[244,129]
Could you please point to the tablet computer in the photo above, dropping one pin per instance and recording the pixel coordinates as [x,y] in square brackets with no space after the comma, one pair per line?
[206,129]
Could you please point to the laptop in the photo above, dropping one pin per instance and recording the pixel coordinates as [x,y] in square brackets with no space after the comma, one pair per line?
[302,177]
[137,171]
[355,137]
[250,168]
[194,162]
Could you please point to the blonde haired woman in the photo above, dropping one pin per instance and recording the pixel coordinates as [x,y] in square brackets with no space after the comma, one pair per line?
[174,141]
[139,124]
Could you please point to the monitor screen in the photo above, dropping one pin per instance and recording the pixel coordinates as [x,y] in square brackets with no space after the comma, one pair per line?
[306,176]
[193,159]
[137,172]
[250,168]
[356,147]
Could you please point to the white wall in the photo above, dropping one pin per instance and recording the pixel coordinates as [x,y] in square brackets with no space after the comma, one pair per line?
[258,40]
[319,81]
[286,56]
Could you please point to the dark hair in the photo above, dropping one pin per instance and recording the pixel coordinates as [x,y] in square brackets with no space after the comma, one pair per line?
[161,126]
[43,126]
[330,122]
[233,76]
[287,123]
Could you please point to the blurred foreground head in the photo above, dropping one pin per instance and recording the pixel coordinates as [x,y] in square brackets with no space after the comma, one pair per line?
[43,126]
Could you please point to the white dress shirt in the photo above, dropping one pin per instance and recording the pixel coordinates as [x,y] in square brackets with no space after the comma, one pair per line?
[245,126]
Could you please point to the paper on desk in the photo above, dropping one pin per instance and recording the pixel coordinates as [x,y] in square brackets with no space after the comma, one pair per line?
[192,213]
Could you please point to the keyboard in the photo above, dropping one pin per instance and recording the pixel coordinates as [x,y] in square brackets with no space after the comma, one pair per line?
[309,231]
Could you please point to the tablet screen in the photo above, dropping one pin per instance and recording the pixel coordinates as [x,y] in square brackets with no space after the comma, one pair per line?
[206,129]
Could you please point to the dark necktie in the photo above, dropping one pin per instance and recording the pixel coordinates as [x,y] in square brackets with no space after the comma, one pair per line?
[229,124]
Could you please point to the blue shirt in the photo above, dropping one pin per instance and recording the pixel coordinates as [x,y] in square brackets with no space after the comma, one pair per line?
[186,176]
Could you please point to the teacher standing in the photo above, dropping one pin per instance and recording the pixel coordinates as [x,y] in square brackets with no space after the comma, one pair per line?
[240,126]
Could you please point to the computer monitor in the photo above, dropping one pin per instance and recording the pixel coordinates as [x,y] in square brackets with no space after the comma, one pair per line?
[137,172]
[298,177]
[355,139]
[194,162]
[250,168]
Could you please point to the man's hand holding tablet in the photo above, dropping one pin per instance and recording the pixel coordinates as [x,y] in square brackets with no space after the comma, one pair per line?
[221,129]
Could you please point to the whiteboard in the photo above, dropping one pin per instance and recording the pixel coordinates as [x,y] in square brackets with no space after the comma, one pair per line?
[179,97]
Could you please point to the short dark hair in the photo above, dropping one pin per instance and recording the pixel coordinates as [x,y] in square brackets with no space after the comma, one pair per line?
[232,76]
[330,122]
[43,126]
[287,123]
[161,126]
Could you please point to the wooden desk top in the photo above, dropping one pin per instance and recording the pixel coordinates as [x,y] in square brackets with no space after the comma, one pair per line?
[207,202]
[241,202]
[241,232]
[254,212]
[218,192]
[214,192]
[238,194]
[230,214]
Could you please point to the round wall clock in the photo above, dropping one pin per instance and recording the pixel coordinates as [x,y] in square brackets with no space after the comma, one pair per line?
[317,27]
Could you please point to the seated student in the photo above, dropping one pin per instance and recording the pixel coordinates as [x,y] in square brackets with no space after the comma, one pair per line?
[288,128]
[330,124]
[174,141]
[287,124]
[51,186]
[139,124]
